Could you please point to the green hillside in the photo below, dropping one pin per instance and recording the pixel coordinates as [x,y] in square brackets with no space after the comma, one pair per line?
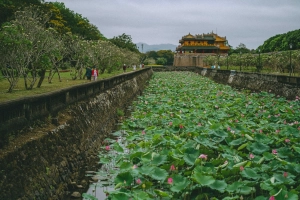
[281,42]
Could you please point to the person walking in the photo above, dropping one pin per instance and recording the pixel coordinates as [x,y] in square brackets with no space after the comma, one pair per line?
[95,74]
[88,73]
[124,68]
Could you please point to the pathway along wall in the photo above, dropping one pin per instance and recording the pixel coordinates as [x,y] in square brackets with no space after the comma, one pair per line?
[48,161]
[285,86]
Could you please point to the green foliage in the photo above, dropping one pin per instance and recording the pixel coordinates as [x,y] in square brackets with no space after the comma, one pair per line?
[9,7]
[62,19]
[67,20]
[29,47]
[161,61]
[120,112]
[281,42]
[190,138]
[124,41]
[275,62]
[161,57]
[240,49]
[168,55]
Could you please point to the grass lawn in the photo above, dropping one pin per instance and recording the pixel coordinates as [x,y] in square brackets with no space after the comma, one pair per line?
[20,91]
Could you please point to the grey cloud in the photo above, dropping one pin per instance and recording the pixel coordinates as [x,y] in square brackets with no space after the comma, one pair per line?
[166,21]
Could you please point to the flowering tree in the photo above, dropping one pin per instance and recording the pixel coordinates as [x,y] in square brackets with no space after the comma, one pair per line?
[77,55]
[56,56]
[26,46]
[14,58]
[29,48]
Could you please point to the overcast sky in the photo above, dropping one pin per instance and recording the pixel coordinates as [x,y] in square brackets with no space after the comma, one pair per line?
[250,22]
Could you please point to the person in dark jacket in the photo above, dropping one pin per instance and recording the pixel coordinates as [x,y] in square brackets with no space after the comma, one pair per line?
[124,68]
[88,73]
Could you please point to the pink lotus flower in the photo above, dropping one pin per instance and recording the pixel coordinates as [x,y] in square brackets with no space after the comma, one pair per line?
[138,181]
[172,168]
[228,128]
[285,174]
[107,148]
[287,140]
[180,126]
[170,181]
[143,132]
[170,123]
[274,151]
[134,166]
[241,168]
[251,156]
[272,198]
[203,156]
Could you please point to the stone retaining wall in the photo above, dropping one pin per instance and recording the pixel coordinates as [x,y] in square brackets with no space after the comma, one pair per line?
[48,161]
[25,111]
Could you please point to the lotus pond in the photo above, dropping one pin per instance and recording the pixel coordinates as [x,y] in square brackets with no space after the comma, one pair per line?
[190,138]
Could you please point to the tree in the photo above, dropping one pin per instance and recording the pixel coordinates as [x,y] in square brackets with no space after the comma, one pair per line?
[65,20]
[13,49]
[77,55]
[9,7]
[152,54]
[161,61]
[281,42]
[32,21]
[241,48]
[57,20]
[57,55]
[124,41]
[168,55]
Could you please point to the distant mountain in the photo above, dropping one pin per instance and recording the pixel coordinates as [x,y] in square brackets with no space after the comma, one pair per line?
[143,47]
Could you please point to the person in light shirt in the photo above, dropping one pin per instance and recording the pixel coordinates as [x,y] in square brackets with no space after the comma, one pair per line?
[95,73]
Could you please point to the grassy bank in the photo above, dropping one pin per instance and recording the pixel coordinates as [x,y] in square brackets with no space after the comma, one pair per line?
[66,81]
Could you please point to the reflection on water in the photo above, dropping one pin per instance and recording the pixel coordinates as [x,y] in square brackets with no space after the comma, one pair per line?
[103,179]
[98,192]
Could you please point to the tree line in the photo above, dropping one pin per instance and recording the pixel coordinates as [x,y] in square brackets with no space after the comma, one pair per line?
[62,19]
[36,40]
[277,61]
[161,57]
